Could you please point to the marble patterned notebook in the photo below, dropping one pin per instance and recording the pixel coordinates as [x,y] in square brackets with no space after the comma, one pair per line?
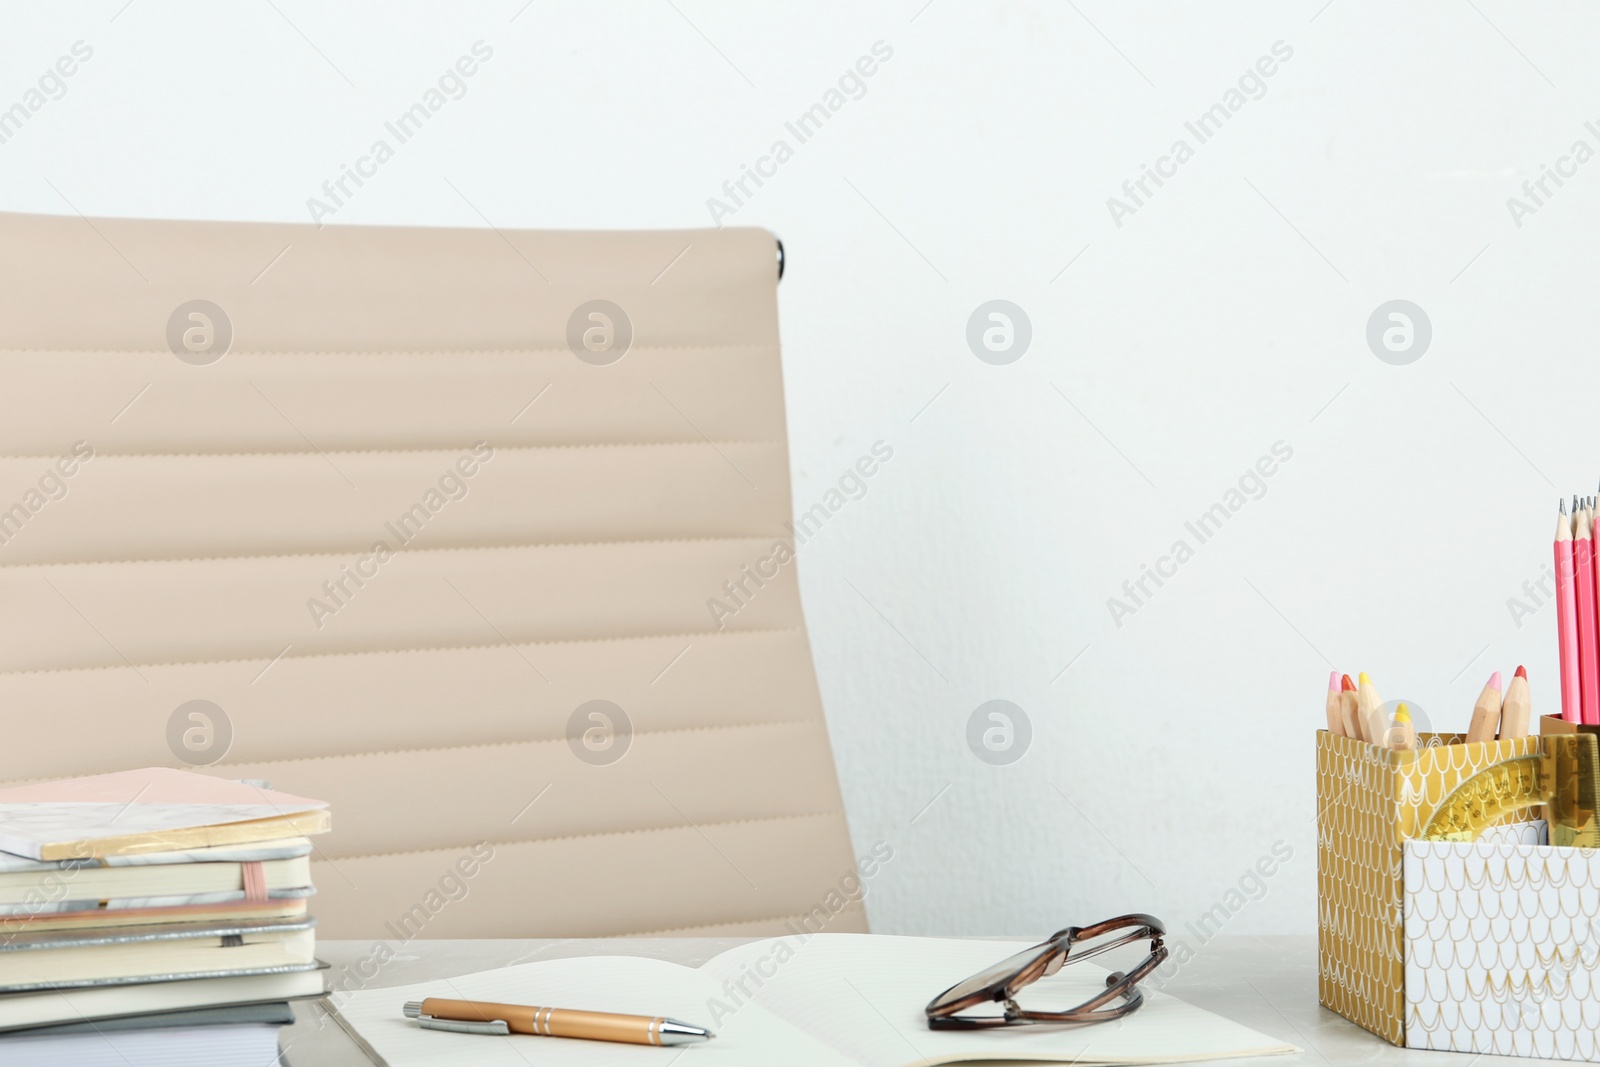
[156,809]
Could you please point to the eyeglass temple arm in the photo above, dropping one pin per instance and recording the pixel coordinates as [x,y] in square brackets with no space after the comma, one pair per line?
[1096,1007]
[1118,984]
[1139,926]
[1095,950]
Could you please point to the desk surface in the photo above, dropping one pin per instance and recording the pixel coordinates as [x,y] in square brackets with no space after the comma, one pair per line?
[1268,983]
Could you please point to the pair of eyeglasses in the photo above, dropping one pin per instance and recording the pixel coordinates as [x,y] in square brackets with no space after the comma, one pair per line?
[1001,983]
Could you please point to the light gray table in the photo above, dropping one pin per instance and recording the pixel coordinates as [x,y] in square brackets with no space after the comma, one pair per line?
[1267,983]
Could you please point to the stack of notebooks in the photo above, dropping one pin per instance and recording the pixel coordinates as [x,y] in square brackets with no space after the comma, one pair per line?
[153,916]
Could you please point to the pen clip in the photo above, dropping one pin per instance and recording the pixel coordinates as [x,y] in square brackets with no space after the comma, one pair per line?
[460,1026]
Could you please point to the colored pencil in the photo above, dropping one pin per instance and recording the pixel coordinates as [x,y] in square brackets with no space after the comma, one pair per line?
[1567,620]
[1402,734]
[1335,715]
[1348,708]
[1486,712]
[1583,563]
[1515,712]
[1369,705]
[1591,711]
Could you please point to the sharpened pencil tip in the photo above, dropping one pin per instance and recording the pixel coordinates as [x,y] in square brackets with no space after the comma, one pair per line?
[1346,685]
[1522,672]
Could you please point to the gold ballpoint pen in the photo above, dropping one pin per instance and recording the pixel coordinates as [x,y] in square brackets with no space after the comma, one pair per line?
[480,1017]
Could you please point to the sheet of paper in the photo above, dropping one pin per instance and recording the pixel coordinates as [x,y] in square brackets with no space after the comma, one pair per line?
[632,985]
[864,995]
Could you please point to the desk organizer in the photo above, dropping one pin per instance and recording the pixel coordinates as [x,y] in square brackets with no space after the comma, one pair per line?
[1484,946]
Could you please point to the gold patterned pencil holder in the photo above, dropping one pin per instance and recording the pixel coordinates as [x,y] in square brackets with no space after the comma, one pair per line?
[1489,945]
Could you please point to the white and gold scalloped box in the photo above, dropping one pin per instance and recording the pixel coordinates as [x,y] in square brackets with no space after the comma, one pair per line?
[1502,948]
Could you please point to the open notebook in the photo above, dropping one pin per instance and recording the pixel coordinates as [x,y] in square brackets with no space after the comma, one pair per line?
[852,1000]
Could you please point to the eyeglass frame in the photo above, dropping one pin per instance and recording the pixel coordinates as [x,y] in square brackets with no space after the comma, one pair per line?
[1050,956]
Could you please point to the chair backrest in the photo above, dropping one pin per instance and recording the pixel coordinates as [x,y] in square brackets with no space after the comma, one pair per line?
[479,535]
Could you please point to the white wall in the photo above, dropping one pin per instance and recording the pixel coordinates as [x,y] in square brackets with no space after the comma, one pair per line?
[1228,313]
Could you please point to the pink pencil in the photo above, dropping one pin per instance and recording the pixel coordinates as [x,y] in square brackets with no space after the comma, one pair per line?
[1583,563]
[1567,620]
[1593,710]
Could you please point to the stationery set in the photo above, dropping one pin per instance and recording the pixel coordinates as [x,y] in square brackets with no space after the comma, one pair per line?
[1458,882]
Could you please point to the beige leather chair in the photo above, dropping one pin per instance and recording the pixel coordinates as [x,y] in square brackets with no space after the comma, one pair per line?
[366,499]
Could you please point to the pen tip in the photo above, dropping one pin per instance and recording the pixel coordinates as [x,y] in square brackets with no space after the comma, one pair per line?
[1494,680]
[1333,681]
[1363,679]
[1522,672]
[1346,685]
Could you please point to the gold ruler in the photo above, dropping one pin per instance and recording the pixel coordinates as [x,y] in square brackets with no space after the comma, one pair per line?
[1564,776]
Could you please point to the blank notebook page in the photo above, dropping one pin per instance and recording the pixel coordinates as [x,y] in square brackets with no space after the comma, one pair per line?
[864,995]
[627,984]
